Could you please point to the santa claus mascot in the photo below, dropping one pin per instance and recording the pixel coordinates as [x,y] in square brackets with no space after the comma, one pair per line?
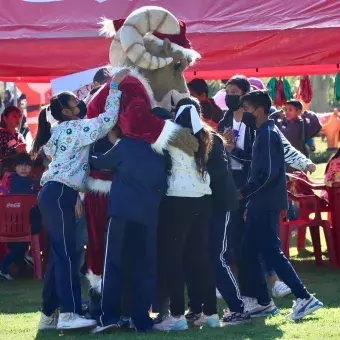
[153,44]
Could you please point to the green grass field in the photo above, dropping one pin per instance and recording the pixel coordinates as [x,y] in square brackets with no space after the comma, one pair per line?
[20,303]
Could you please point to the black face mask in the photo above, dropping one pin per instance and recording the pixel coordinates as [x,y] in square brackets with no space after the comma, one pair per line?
[82,109]
[233,102]
[249,118]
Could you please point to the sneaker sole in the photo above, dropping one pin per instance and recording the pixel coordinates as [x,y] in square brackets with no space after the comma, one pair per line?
[175,329]
[215,325]
[170,330]
[107,329]
[307,312]
[46,329]
[234,323]
[76,328]
[264,315]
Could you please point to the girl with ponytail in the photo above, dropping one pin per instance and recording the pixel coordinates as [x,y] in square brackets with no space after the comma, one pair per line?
[65,138]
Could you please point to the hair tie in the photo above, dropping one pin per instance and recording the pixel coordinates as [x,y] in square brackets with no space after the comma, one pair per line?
[196,122]
[49,118]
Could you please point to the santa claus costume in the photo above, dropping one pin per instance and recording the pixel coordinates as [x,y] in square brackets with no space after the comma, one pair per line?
[135,120]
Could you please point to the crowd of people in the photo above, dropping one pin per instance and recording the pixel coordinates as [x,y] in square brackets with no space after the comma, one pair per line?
[178,219]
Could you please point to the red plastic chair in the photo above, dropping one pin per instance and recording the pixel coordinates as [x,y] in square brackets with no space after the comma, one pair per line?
[15,226]
[302,185]
[307,204]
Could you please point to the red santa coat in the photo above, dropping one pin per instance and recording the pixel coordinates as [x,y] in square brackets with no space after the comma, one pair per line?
[135,117]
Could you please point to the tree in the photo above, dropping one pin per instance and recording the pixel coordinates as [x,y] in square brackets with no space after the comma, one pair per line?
[322,93]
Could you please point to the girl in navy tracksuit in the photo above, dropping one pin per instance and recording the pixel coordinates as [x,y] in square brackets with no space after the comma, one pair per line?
[67,145]
[139,183]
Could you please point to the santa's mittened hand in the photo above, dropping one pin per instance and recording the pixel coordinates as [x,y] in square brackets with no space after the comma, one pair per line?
[310,167]
[185,141]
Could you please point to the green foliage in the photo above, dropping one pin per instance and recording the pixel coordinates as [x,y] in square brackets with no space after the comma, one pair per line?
[214,86]
[321,157]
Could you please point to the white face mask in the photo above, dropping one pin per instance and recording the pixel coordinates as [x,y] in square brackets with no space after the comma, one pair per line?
[171,99]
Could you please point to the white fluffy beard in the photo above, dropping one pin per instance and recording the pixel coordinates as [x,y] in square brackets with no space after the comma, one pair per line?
[171,99]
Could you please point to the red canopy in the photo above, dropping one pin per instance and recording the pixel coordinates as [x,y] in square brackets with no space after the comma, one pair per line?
[42,39]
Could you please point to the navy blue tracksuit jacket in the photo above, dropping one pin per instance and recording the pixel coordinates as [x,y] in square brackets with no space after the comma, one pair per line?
[266,187]
[139,180]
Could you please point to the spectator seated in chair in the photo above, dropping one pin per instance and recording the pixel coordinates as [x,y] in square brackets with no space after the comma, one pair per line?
[18,183]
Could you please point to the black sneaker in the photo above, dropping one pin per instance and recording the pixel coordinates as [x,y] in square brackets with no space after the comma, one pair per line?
[5,276]
[233,318]
[192,317]
[29,261]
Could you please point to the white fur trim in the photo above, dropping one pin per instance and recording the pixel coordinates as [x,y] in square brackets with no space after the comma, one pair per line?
[107,28]
[188,53]
[162,141]
[95,281]
[134,73]
[98,186]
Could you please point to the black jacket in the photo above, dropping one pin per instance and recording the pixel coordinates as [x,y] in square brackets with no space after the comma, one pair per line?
[224,195]
[242,156]
[266,187]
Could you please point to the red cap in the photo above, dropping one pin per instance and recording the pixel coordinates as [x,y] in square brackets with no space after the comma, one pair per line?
[179,39]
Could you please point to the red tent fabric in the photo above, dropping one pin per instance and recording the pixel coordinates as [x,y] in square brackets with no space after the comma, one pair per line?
[43,39]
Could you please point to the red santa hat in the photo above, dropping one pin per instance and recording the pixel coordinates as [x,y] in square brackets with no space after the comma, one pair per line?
[179,42]
[178,39]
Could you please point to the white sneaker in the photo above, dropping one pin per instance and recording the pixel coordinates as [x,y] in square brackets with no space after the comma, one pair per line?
[74,321]
[48,322]
[218,294]
[304,307]
[259,311]
[171,323]
[280,290]
[5,276]
[212,321]
[105,329]
[249,303]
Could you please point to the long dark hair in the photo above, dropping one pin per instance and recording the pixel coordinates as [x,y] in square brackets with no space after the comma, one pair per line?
[204,136]
[6,114]
[336,155]
[57,104]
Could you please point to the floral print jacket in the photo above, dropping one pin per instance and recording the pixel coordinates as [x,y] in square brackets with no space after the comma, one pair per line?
[69,145]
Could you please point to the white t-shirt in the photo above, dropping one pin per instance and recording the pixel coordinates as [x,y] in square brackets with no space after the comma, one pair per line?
[239,130]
